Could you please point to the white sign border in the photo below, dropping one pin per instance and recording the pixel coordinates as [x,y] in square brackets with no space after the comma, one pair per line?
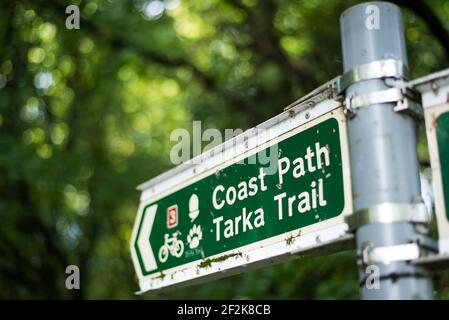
[440,208]
[262,252]
[434,89]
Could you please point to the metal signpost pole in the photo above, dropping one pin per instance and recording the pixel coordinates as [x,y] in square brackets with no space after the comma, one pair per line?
[384,164]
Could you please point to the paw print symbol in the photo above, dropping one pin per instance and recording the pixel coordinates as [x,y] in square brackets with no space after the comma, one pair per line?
[194,237]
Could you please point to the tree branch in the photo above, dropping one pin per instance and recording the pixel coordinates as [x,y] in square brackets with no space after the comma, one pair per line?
[120,42]
[266,41]
[424,11]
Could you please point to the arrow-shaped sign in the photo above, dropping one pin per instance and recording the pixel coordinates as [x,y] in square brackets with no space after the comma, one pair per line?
[141,247]
[243,210]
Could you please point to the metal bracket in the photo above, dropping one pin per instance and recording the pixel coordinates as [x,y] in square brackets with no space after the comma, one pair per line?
[386,255]
[387,68]
[418,249]
[393,72]
[377,97]
[410,105]
[389,212]
[425,242]
[434,88]
[433,262]
[405,99]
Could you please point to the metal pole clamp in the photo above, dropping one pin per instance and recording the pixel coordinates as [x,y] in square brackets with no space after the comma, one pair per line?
[387,68]
[389,212]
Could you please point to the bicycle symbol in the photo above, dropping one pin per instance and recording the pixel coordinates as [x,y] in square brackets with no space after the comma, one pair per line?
[172,245]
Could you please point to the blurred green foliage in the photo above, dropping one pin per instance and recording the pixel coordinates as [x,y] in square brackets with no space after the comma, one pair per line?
[86,115]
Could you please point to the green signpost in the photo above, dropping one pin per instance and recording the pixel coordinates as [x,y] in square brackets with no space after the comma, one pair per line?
[437,123]
[442,135]
[262,198]
[230,209]
[434,89]
[244,205]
